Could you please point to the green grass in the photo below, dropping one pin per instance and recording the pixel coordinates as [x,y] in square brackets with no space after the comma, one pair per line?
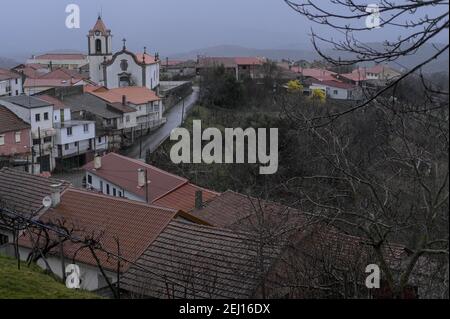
[32,283]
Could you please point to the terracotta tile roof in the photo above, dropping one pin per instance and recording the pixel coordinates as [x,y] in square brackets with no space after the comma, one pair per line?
[57,103]
[318,74]
[335,84]
[9,121]
[8,74]
[63,74]
[250,60]
[101,27]
[123,171]
[121,108]
[136,95]
[32,70]
[198,262]
[135,224]
[24,192]
[356,76]
[231,210]
[61,56]
[149,59]
[38,82]
[183,198]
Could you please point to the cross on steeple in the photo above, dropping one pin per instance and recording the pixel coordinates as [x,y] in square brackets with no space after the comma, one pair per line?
[124,43]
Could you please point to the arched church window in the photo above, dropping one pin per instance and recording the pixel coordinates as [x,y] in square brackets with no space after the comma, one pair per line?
[124,81]
[98,46]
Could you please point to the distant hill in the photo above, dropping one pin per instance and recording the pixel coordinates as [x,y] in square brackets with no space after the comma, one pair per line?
[307,54]
[7,63]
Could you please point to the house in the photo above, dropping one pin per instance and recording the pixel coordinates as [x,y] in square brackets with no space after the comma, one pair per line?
[176,69]
[124,68]
[134,225]
[116,123]
[58,78]
[71,61]
[15,140]
[337,90]
[378,74]
[10,83]
[241,67]
[120,176]
[39,115]
[149,107]
[75,141]
[190,261]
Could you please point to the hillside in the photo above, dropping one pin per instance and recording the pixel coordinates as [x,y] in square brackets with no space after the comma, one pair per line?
[33,283]
[308,54]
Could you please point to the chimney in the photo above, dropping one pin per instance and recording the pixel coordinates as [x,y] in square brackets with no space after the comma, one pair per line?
[199,199]
[124,100]
[56,194]
[142,178]
[97,162]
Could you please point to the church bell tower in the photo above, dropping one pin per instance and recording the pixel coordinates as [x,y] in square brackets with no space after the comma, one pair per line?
[99,48]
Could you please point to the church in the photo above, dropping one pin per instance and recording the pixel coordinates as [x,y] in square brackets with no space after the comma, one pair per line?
[123,68]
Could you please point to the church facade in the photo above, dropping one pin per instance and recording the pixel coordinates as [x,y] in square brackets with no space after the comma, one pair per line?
[122,69]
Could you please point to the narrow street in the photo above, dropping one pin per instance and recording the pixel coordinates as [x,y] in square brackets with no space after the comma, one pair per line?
[154,140]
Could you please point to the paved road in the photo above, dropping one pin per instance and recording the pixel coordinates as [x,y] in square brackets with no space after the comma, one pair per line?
[158,137]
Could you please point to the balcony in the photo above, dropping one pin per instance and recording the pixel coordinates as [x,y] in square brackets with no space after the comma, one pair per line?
[49,132]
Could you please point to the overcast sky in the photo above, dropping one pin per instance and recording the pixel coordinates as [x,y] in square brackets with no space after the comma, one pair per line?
[169,26]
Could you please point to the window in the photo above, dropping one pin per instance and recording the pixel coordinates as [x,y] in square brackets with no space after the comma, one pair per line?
[2,139]
[100,139]
[76,144]
[46,116]
[86,128]
[120,194]
[17,92]
[36,141]
[66,146]
[114,192]
[101,186]
[17,82]
[18,137]
[98,46]
[335,92]
[37,117]
[69,131]
[107,189]
[48,139]
[90,179]
[127,118]
[3,239]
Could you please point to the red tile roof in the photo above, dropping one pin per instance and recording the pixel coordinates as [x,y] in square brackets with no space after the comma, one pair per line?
[63,74]
[136,95]
[135,224]
[232,210]
[33,82]
[9,121]
[183,198]
[100,26]
[123,171]
[230,62]
[61,56]
[149,59]
[8,74]
[335,84]
[57,103]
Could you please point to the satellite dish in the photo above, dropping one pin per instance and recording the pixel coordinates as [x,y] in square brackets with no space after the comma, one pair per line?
[47,201]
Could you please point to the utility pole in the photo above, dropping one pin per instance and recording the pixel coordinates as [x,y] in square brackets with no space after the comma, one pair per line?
[140,143]
[146,186]
[40,149]
[182,114]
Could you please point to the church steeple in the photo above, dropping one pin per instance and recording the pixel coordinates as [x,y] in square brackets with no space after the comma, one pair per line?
[99,48]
